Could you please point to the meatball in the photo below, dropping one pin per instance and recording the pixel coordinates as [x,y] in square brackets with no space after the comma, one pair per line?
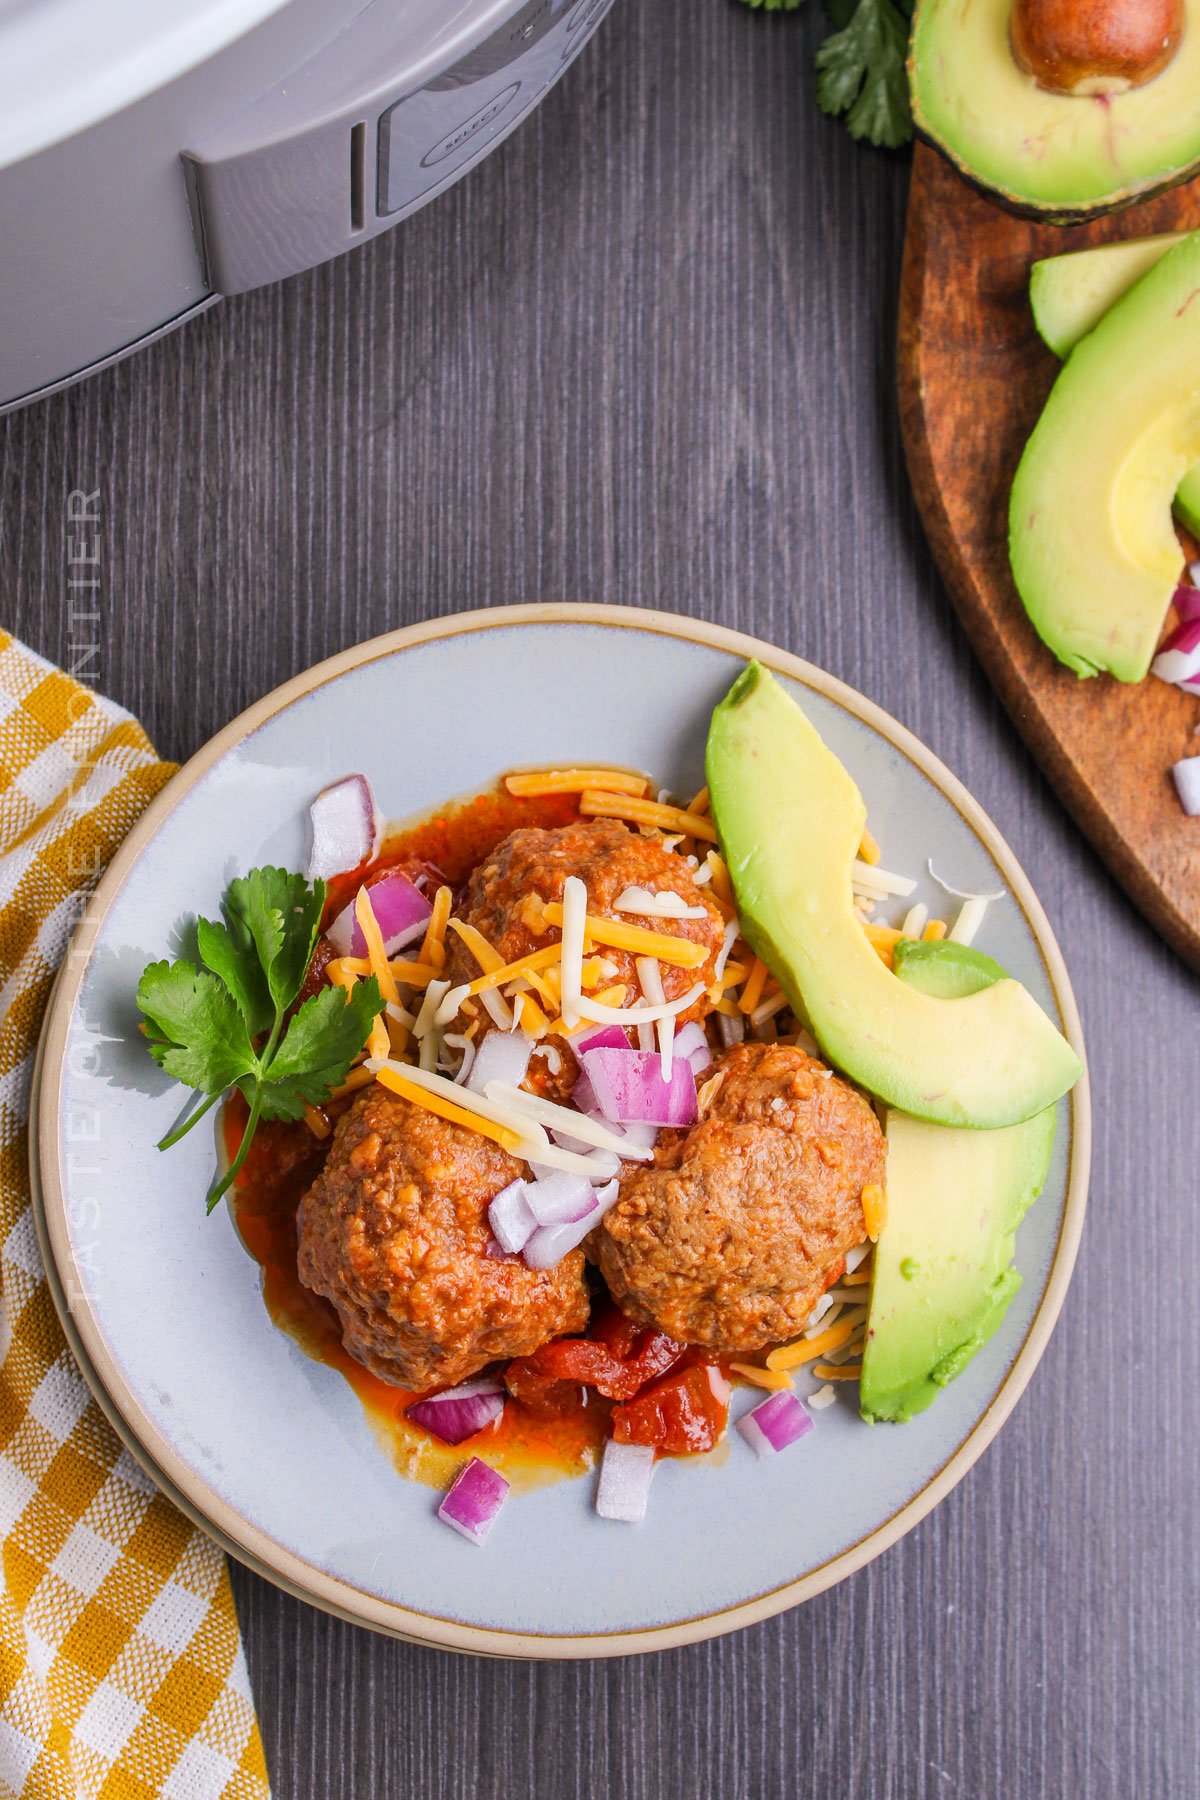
[607,857]
[730,1236]
[394,1232]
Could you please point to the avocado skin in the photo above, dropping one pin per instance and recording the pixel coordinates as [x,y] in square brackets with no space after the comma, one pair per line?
[790,820]
[930,1312]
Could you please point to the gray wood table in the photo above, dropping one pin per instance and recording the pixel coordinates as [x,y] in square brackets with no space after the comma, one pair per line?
[645,354]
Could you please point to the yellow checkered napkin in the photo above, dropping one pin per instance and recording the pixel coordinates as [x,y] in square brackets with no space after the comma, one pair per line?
[121,1669]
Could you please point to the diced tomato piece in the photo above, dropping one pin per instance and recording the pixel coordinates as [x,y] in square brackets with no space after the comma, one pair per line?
[679,1413]
[592,1362]
[316,977]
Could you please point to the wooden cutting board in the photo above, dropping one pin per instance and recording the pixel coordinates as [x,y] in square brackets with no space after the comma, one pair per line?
[973,377]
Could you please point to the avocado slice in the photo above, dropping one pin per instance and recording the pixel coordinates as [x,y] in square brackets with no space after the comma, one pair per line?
[1092,546]
[943,1275]
[1056,156]
[1071,293]
[790,821]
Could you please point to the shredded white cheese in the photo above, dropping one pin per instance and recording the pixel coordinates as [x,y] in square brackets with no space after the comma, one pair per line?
[650,976]
[574,910]
[824,1396]
[915,920]
[565,1119]
[730,939]
[878,883]
[665,905]
[426,1020]
[970,918]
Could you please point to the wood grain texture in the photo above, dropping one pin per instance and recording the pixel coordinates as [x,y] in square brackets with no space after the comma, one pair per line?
[973,378]
[645,353]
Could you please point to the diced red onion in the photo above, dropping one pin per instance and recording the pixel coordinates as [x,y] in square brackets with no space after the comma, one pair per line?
[691,1043]
[401,912]
[461,1411]
[501,1056]
[629,1087]
[624,1486]
[599,1037]
[473,1502]
[345,828]
[1187,784]
[560,1199]
[511,1218]
[639,1138]
[780,1420]
[550,1243]
[1179,658]
[1187,599]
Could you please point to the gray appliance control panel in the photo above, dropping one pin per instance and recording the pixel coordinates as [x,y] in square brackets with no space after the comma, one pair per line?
[363,135]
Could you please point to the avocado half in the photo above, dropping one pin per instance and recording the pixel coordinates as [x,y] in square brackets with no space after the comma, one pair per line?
[1053,156]
[1091,539]
[1071,293]
[790,820]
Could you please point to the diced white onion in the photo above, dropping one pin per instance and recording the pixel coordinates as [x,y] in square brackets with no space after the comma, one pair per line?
[624,1486]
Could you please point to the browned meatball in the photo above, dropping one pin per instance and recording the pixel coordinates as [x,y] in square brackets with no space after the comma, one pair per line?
[395,1233]
[729,1237]
[607,857]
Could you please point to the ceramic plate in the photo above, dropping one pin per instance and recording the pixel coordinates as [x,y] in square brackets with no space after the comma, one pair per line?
[270,1450]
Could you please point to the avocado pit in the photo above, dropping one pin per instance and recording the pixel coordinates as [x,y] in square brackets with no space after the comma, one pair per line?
[1095,47]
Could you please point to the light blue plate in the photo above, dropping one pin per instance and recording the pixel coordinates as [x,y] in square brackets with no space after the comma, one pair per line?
[272,1451]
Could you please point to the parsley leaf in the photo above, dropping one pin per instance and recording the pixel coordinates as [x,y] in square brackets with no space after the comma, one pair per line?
[861,66]
[225,1025]
[861,72]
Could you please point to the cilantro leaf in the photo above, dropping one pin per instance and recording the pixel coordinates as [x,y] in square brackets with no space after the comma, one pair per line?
[282,915]
[201,1037]
[861,73]
[318,1047]
[226,1025]
[230,952]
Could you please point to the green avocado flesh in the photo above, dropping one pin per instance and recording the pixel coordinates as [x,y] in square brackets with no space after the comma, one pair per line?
[1070,294]
[790,821]
[1091,541]
[943,1275]
[1046,153]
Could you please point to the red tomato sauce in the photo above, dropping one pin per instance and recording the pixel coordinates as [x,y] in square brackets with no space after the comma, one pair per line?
[529,1445]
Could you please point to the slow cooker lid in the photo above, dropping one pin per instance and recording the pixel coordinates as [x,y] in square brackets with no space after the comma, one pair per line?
[64,64]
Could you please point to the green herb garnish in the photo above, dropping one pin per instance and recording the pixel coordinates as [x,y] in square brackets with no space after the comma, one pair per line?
[861,71]
[223,1026]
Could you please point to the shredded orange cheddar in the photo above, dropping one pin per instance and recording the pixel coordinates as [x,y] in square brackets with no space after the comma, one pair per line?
[868,850]
[874,1205]
[433,947]
[368,924]
[357,1078]
[679,951]
[316,1121]
[774,1379]
[856,1278]
[840,1372]
[379,1043]
[790,1356]
[532,783]
[883,940]
[648,812]
[935,929]
[446,1109]
[756,981]
[700,803]
[721,885]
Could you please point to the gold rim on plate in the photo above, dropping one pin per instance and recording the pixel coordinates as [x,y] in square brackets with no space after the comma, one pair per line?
[232,1530]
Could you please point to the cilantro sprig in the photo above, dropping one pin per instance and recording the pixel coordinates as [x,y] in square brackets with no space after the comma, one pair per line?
[861,72]
[226,1025]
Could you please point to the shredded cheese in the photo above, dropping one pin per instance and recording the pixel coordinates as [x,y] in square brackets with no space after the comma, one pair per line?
[430,1014]
[433,946]
[532,783]
[700,804]
[774,1379]
[767,1010]
[874,1205]
[935,929]
[650,977]
[664,905]
[756,981]
[317,1123]
[681,952]
[790,1356]
[869,851]
[603,1014]
[357,1078]
[914,920]
[883,940]
[368,924]
[647,812]
[849,1372]
[574,924]
[568,1120]
[966,927]
[401,1082]
[879,883]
